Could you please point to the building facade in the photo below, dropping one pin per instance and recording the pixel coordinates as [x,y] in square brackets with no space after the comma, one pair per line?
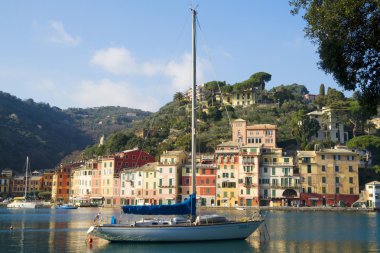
[331,126]
[329,177]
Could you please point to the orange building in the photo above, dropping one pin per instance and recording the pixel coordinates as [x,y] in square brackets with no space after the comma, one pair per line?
[62,182]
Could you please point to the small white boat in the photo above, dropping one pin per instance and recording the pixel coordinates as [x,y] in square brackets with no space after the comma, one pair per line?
[22,202]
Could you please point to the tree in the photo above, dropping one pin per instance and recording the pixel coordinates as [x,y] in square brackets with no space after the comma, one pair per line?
[322,90]
[357,116]
[303,127]
[347,34]
[368,142]
[178,96]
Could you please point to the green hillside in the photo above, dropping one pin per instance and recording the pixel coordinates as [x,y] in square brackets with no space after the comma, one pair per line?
[48,134]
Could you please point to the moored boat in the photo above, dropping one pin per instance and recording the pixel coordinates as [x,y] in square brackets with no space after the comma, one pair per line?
[66,206]
[195,228]
[23,202]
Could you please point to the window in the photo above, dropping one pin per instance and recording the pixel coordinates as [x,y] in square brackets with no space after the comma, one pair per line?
[309,190]
[323,168]
[351,190]
[265,170]
[323,180]
[170,182]
[337,190]
[273,193]
[337,180]
[351,180]
[350,169]
[308,168]
[323,157]
[336,168]
[309,180]
[286,159]
[187,181]
[323,190]
[273,171]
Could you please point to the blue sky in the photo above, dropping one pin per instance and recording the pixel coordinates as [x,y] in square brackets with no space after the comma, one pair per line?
[137,53]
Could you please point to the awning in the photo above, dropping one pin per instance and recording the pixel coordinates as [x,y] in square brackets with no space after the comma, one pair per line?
[96,197]
[313,198]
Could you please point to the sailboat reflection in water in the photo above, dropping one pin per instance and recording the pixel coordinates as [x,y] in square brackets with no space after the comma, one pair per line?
[178,229]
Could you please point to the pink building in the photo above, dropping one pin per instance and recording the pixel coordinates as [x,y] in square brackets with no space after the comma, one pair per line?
[258,134]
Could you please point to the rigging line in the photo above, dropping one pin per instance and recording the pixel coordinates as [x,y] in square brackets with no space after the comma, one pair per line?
[213,72]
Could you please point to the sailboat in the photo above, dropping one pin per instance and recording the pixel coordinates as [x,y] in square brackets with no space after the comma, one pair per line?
[22,202]
[197,228]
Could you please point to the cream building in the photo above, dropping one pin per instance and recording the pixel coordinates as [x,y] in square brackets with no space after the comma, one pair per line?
[279,185]
[81,182]
[371,194]
[248,175]
[169,174]
[331,126]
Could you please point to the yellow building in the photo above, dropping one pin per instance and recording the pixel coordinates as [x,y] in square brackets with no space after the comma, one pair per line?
[244,98]
[227,160]
[329,177]
[109,180]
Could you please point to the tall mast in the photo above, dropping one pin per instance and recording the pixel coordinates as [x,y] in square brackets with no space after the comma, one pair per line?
[26,176]
[194,105]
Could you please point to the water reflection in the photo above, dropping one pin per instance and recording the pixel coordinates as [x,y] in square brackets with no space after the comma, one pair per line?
[218,246]
[51,230]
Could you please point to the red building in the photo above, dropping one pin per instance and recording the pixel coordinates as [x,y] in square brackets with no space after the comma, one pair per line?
[206,180]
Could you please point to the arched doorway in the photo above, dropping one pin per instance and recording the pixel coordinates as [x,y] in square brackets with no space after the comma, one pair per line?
[289,195]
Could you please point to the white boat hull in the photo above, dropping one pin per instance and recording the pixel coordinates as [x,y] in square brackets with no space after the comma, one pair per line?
[23,205]
[186,233]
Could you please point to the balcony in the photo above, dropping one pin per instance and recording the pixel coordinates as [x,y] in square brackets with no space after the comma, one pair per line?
[288,164]
[207,166]
[284,186]
[166,186]
[245,185]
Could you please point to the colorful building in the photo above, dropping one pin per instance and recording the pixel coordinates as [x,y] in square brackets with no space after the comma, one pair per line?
[227,160]
[62,182]
[279,183]
[264,134]
[329,177]
[331,126]
[169,174]
[205,180]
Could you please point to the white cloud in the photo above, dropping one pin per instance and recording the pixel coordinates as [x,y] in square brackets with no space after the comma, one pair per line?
[108,93]
[115,60]
[59,35]
[119,60]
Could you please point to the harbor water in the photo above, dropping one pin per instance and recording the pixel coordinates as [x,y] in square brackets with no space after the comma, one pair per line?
[51,230]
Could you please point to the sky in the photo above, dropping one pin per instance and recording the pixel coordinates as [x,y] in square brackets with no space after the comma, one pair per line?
[137,54]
